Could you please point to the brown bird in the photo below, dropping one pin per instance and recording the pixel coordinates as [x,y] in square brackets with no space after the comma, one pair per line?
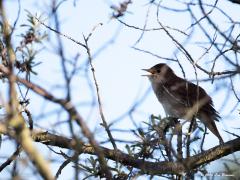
[183,99]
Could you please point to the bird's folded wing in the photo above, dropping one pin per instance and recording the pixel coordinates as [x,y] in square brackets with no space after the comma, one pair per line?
[190,95]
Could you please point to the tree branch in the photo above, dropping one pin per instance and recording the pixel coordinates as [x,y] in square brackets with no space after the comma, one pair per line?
[153,168]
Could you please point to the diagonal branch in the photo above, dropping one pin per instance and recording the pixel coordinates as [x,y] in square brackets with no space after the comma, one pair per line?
[68,106]
[104,122]
[153,168]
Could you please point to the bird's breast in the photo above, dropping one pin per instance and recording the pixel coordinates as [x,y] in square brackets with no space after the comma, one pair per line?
[172,105]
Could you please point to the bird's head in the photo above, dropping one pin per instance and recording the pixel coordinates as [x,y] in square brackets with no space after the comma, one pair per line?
[160,73]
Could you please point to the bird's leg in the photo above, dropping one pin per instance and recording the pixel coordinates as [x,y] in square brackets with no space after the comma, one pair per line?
[170,122]
[179,140]
[188,137]
[189,174]
[174,122]
[164,126]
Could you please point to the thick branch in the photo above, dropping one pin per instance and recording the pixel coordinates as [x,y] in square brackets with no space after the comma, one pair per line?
[153,168]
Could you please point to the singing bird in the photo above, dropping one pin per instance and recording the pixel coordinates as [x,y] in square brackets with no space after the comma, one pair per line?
[183,99]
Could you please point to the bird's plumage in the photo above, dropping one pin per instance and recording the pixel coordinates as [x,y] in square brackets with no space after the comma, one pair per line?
[183,99]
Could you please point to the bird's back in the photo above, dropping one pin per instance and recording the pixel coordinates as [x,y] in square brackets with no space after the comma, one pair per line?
[178,96]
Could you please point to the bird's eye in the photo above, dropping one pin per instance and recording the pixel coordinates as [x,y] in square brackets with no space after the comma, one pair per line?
[158,71]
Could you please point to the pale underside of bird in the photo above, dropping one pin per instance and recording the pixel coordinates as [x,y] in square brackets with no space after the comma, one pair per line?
[183,99]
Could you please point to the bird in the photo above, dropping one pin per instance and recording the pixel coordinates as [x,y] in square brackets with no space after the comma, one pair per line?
[182,99]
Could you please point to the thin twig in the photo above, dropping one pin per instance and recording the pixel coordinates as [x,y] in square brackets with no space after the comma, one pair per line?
[64,35]
[11,158]
[99,98]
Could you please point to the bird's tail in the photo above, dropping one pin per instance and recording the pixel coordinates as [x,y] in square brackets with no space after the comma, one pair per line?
[208,121]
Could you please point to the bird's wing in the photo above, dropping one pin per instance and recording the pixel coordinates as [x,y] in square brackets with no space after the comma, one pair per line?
[186,92]
[190,94]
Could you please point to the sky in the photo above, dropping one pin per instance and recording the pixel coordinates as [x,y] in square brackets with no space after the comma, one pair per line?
[118,66]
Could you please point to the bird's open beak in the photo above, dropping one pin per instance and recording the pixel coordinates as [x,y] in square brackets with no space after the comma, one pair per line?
[148,70]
